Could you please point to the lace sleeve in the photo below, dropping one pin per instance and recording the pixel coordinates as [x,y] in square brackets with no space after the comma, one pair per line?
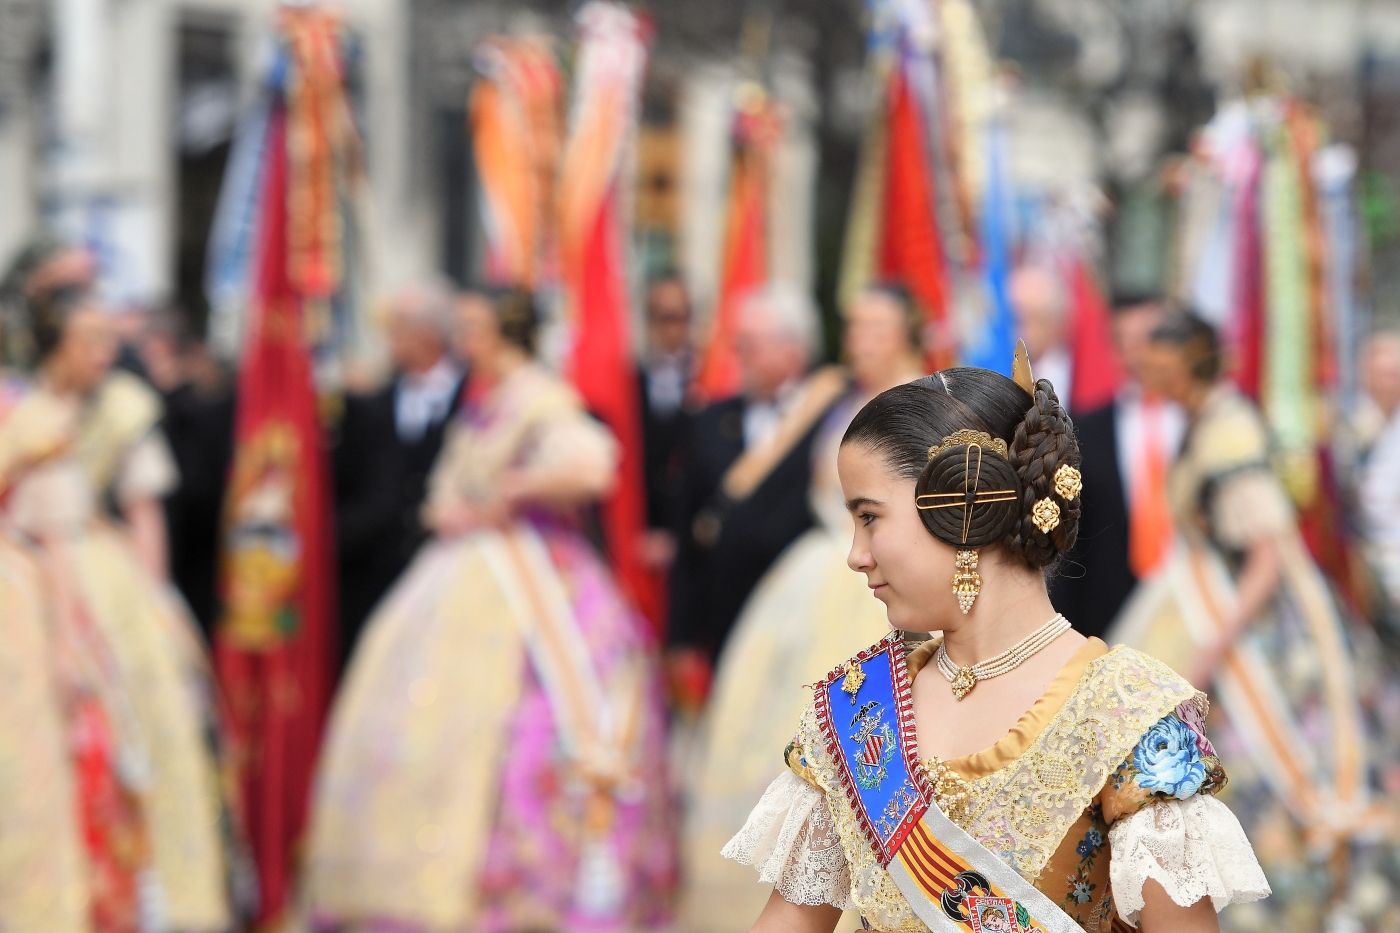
[1248,505]
[1193,848]
[149,470]
[791,839]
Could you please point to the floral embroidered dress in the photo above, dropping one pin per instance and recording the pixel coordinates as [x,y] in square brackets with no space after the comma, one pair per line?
[808,609]
[123,671]
[1108,780]
[1309,716]
[492,759]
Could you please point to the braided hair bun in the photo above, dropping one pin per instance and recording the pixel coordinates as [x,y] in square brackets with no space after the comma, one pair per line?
[1044,442]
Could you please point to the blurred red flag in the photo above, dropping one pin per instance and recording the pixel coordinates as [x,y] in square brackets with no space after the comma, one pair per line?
[609,66]
[1097,370]
[745,268]
[910,248]
[602,371]
[273,646]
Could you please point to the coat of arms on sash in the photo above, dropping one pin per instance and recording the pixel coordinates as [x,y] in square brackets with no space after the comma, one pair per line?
[996,915]
[875,739]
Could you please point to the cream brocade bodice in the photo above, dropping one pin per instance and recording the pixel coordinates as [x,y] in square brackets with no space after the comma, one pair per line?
[530,421]
[1028,794]
[83,450]
[1223,488]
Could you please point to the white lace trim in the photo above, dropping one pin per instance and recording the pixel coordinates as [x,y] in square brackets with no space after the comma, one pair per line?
[1193,848]
[791,839]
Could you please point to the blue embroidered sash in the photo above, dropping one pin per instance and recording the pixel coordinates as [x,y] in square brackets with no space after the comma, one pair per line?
[952,882]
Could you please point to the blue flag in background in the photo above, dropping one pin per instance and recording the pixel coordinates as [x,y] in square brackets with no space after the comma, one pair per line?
[995,345]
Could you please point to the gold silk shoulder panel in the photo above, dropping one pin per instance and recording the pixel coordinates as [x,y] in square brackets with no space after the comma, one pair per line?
[123,411]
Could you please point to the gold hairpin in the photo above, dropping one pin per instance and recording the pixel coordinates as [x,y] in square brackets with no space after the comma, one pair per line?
[970,497]
[970,438]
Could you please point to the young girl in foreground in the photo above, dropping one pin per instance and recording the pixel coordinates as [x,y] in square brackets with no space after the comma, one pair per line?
[1008,774]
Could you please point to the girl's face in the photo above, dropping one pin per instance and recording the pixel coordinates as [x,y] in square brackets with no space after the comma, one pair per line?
[89,347]
[1166,372]
[906,567]
[876,338]
[478,334]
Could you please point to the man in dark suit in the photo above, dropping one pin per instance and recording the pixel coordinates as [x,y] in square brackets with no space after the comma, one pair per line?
[197,422]
[1127,447]
[746,468]
[664,378]
[386,447]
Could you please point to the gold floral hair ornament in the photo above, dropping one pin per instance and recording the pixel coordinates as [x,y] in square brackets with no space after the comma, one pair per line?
[1069,483]
[1021,369]
[1046,515]
[970,438]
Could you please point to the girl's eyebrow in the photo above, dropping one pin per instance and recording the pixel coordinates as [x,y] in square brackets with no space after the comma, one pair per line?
[860,502]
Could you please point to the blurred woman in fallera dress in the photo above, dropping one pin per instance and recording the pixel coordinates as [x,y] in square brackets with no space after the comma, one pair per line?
[1308,703]
[493,757]
[807,610]
[117,821]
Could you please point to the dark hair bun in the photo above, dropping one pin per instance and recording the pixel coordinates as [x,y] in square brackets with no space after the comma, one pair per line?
[49,312]
[949,486]
[1197,340]
[516,313]
[1044,441]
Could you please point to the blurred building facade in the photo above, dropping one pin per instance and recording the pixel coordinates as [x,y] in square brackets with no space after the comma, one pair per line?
[116,115]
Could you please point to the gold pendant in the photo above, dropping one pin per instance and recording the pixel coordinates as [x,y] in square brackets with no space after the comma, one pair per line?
[967,582]
[854,678]
[963,682]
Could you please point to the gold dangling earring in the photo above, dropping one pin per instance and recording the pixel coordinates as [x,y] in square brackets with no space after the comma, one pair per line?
[967,582]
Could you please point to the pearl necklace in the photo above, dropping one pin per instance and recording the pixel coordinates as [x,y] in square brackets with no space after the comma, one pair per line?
[963,679]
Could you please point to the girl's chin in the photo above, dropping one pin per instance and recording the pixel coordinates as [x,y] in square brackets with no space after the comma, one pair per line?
[909,626]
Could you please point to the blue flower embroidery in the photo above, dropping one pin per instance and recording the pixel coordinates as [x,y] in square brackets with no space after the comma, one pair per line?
[1168,760]
[1090,843]
[1082,892]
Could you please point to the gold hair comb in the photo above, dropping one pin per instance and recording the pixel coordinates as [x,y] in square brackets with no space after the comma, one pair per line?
[970,438]
[1021,369]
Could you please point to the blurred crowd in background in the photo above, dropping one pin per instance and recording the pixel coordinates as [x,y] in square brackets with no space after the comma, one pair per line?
[418,505]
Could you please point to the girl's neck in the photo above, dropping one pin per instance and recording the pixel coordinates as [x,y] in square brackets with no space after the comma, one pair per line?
[507,364]
[55,381]
[1197,397]
[1011,607]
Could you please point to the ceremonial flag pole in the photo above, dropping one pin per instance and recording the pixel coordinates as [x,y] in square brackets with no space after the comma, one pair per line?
[274,645]
[593,250]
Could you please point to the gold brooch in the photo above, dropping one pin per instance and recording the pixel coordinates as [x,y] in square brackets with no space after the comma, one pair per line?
[1046,515]
[854,678]
[1068,482]
[963,682]
[969,438]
